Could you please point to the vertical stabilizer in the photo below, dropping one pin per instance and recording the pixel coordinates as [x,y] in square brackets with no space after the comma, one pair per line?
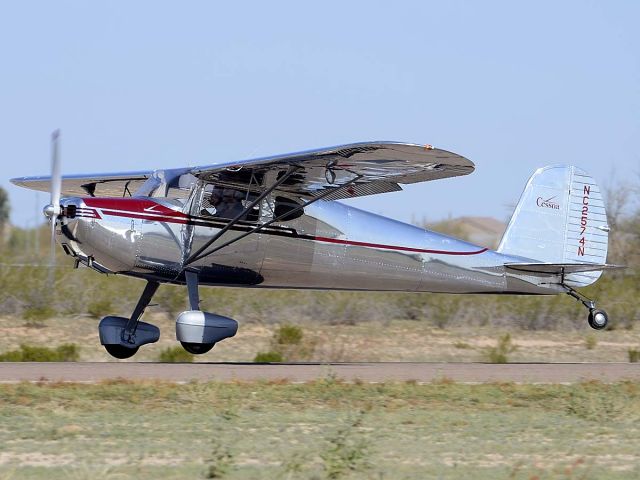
[560,218]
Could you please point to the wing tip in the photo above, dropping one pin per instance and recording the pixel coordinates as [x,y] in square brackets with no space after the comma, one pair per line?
[24,181]
[19,181]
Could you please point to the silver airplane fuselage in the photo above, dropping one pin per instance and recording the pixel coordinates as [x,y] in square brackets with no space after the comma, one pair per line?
[331,246]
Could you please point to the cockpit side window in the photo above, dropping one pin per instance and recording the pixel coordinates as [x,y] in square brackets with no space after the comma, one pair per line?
[287,208]
[227,203]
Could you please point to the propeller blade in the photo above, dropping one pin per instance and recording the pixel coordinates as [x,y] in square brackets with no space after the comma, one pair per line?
[53,210]
[52,254]
[56,175]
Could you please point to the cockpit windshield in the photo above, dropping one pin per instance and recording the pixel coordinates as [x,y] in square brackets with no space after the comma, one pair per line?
[169,184]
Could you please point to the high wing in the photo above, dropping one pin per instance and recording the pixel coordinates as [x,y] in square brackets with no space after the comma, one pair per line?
[370,168]
[98,185]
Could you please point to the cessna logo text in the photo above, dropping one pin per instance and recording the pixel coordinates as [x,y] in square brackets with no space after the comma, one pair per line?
[584,219]
[548,203]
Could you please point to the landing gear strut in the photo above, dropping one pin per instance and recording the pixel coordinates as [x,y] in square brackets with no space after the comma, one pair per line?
[598,319]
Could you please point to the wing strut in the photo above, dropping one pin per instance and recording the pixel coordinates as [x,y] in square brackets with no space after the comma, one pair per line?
[196,256]
[199,255]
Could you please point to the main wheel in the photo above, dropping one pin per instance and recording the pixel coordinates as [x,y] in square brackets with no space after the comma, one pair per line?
[120,351]
[598,319]
[197,348]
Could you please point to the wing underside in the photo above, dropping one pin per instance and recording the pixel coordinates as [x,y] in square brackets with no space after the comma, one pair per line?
[368,168]
[98,185]
[362,168]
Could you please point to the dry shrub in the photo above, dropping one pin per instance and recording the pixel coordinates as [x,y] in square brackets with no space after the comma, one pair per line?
[500,353]
[590,341]
[268,357]
[289,344]
[175,355]
[67,352]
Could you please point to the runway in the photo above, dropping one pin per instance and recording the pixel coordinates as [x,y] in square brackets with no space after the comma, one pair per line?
[305,372]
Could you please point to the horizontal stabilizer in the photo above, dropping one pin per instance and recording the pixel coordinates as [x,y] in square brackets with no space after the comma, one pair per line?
[561,268]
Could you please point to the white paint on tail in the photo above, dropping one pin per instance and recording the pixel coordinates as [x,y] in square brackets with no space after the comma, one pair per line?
[560,219]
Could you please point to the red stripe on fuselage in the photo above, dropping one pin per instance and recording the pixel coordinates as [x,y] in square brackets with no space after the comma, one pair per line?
[148,210]
[395,247]
[143,207]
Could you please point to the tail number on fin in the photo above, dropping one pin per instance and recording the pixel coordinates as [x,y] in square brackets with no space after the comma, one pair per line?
[584,219]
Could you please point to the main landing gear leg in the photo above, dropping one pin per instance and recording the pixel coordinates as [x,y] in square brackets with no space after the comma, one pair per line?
[598,319]
[149,291]
[123,337]
[192,288]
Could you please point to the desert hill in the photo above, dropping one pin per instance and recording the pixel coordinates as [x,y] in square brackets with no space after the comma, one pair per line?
[485,231]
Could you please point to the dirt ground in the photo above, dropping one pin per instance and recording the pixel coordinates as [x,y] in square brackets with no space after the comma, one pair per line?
[398,340]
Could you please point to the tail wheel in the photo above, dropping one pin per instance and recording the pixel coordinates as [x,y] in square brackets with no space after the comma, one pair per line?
[598,319]
[119,351]
[197,348]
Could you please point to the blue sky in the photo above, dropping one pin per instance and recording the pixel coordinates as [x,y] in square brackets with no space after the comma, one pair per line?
[142,85]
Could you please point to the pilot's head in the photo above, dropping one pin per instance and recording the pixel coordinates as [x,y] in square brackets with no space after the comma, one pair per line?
[231,196]
[215,198]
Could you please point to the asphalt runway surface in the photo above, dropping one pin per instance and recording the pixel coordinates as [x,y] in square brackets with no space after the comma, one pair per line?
[305,372]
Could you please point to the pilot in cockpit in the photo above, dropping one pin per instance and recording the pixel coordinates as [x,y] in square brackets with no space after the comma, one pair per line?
[231,205]
[211,202]
[222,203]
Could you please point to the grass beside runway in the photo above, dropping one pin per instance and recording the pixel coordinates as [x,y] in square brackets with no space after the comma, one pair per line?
[318,430]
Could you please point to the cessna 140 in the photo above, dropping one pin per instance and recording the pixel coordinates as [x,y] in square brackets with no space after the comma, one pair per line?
[274,222]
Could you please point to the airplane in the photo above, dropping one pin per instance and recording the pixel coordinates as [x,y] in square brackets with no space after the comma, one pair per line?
[276,222]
